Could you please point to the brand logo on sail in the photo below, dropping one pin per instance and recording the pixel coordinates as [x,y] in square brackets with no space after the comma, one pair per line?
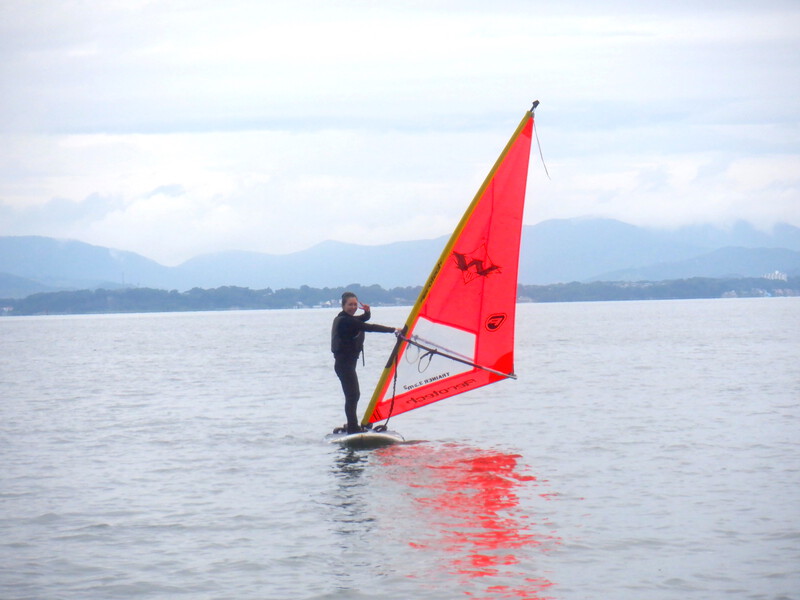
[494,321]
[444,392]
[475,264]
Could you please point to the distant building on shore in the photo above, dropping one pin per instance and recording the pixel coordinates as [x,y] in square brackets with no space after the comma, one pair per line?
[776,276]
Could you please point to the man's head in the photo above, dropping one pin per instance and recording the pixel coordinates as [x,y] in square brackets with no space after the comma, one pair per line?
[349,303]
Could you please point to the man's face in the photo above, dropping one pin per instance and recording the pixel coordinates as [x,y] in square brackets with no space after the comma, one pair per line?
[351,305]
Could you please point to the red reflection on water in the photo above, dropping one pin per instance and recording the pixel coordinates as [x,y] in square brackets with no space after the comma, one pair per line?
[467,501]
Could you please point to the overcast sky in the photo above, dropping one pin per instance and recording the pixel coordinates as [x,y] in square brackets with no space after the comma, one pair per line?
[178,127]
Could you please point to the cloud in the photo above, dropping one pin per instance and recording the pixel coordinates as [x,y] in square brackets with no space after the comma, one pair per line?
[173,128]
[168,66]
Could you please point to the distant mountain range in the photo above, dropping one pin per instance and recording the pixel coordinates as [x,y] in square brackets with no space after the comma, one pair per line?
[552,252]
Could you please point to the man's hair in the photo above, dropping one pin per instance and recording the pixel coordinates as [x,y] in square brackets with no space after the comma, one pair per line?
[346,296]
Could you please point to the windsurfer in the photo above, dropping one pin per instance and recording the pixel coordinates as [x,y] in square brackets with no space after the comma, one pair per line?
[347,343]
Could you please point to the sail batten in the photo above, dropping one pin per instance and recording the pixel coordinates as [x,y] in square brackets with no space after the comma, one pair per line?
[465,312]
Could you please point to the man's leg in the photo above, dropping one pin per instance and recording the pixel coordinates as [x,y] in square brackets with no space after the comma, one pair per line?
[346,370]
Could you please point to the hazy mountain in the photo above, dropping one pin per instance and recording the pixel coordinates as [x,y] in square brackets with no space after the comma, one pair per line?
[603,249]
[12,286]
[567,250]
[327,264]
[68,264]
[722,263]
[552,252]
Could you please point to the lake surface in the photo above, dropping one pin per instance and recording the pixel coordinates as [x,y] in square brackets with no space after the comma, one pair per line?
[649,450]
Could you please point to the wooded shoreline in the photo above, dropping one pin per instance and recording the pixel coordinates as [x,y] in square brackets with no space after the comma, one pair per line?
[133,300]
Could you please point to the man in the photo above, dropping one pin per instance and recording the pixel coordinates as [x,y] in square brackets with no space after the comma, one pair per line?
[347,343]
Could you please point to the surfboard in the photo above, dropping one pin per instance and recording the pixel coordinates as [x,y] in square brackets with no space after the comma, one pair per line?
[365,439]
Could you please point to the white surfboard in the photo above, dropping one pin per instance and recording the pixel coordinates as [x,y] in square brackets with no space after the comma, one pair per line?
[365,439]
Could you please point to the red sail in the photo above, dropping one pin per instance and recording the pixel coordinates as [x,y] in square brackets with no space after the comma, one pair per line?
[460,333]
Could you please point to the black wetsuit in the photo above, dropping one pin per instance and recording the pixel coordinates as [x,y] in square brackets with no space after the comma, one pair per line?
[347,342]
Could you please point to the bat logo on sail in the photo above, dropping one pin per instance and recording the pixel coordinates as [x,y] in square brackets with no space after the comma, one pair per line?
[475,264]
[493,322]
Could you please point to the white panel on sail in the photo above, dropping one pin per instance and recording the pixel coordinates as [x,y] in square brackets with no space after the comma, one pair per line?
[417,369]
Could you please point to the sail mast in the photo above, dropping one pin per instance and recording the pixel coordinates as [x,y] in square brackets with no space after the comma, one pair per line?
[446,254]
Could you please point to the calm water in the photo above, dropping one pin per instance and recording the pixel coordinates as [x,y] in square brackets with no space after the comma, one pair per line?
[649,450]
